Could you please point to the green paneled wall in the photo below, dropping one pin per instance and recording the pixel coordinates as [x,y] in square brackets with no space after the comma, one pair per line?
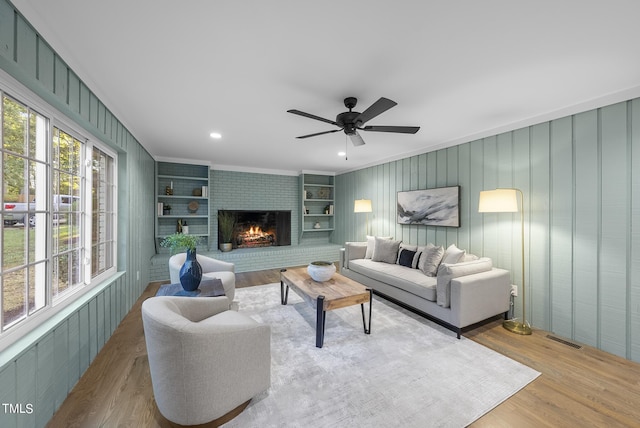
[42,368]
[582,207]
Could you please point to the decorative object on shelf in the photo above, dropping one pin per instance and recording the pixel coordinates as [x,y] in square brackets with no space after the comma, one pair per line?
[191,271]
[321,271]
[166,210]
[317,225]
[179,226]
[308,195]
[327,209]
[185,227]
[193,207]
[324,193]
[363,206]
[197,192]
[430,207]
[306,210]
[506,201]
[169,189]
[227,222]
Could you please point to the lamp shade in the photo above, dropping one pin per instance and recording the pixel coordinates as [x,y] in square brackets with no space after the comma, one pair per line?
[498,201]
[362,206]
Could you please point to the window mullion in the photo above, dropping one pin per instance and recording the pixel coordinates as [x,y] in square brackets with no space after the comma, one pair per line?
[87,225]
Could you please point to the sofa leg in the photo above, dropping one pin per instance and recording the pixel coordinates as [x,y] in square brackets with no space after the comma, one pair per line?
[459,332]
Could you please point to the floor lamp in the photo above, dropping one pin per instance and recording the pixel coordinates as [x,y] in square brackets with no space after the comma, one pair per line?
[363,206]
[506,201]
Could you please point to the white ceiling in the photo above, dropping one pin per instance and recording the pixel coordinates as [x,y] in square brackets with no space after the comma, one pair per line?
[174,71]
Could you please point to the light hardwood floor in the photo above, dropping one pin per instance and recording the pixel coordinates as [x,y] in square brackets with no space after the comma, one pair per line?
[578,387]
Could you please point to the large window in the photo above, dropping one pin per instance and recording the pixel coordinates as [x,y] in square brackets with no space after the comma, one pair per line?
[58,212]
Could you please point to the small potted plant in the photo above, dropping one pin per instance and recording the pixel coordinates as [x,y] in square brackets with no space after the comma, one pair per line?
[227,223]
[191,271]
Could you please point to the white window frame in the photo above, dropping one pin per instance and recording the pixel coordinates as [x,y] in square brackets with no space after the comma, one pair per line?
[14,89]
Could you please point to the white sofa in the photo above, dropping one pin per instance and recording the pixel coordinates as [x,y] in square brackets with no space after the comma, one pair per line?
[459,294]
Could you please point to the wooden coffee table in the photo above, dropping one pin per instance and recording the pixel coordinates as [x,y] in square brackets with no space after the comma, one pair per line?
[338,292]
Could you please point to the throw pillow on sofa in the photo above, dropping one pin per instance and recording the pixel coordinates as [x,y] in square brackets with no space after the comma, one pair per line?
[371,243]
[405,257]
[404,246]
[447,272]
[385,250]
[453,254]
[430,259]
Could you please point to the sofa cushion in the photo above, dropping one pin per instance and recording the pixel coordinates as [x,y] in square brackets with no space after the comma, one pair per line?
[453,254]
[371,243]
[385,250]
[430,259]
[446,272]
[405,257]
[407,279]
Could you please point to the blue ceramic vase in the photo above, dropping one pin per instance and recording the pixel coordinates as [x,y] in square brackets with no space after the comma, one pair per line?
[190,272]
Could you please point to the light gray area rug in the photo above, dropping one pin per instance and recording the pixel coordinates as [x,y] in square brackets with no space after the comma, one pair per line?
[410,372]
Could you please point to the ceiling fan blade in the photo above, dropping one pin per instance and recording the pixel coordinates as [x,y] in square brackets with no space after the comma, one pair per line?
[320,133]
[356,139]
[399,129]
[312,116]
[379,107]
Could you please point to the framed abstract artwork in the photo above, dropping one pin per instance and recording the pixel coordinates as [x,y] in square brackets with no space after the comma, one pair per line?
[430,207]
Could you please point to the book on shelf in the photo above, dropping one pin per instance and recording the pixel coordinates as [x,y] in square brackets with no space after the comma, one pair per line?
[205,191]
[160,209]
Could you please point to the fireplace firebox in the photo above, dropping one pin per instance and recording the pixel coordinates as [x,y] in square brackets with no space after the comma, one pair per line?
[260,228]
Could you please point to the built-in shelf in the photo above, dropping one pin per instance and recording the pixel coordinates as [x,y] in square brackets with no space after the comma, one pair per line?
[182,187]
[318,196]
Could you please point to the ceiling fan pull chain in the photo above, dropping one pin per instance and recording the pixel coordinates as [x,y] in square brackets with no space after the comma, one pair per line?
[346,148]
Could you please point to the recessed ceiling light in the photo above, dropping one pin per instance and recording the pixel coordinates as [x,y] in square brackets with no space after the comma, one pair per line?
[342,154]
[215,135]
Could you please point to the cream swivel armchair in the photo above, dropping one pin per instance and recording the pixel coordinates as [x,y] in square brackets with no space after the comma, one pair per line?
[211,268]
[205,360]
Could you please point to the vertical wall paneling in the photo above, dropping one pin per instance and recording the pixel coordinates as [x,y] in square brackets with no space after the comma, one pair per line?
[73,347]
[60,385]
[451,180]
[586,227]
[613,260]
[561,226]
[26,376]
[60,80]
[44,402]
[74,93]
[46,65]
[26,42]
[537,290]
[476,177]
[9,376]
[390,225]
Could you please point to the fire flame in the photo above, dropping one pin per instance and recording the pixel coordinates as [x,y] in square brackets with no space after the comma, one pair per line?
[255,231]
